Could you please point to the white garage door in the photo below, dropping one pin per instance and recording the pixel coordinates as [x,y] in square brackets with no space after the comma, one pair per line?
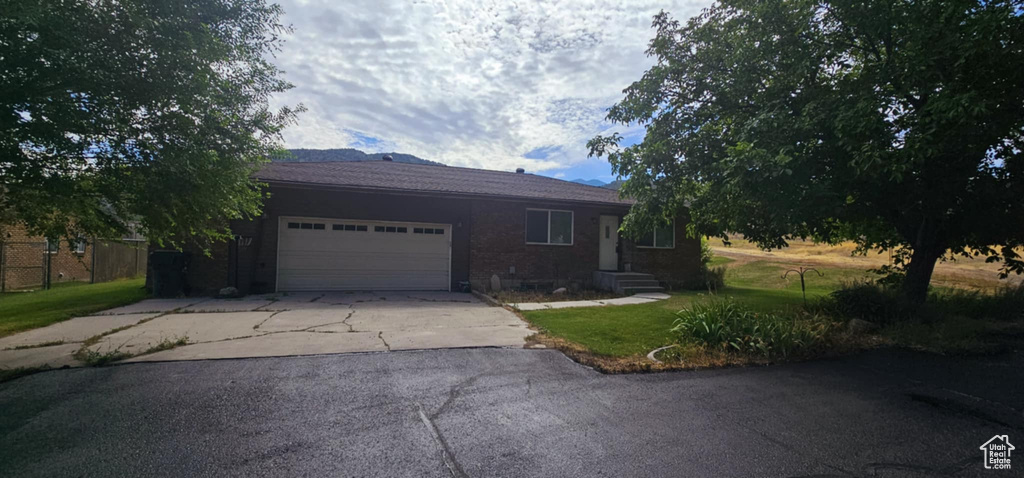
[340,254]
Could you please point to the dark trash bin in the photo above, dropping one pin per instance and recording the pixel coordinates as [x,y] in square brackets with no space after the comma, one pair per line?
[169,269]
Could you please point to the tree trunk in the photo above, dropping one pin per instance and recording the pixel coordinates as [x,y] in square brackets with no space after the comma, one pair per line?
[919,273]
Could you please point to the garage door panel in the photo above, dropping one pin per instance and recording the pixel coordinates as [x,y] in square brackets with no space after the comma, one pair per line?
[330,259]
[378,259]
[315,263]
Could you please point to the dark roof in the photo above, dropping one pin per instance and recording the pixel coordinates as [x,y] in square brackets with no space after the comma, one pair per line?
[421,178]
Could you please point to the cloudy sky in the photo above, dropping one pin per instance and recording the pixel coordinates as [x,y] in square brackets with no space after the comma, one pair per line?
[478,83]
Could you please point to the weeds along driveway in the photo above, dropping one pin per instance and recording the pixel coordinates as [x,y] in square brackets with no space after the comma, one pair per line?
[258,326]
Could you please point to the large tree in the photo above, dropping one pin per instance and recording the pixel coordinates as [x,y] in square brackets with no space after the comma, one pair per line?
[892,123]
[146,111]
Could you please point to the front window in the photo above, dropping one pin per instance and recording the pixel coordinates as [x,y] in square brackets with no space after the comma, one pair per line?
[544,226]
[663,237]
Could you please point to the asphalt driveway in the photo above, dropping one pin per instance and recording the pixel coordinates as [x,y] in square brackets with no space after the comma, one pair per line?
[269,326]
[509,412]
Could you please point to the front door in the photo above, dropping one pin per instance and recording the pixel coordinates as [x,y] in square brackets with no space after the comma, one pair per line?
[609,243]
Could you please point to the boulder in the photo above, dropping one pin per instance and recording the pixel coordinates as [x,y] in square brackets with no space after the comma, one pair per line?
[559,291]
[228,292]
[860,326]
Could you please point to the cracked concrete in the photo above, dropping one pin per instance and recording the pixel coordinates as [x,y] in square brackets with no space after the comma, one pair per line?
[271,326]
[76,330]
[305,319]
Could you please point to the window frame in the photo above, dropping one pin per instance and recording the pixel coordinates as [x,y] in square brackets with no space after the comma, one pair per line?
[572,227]
[51,246]
[654,238]
[80,245]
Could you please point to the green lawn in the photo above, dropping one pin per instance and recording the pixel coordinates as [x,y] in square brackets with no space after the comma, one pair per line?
[623,331]
[28,310]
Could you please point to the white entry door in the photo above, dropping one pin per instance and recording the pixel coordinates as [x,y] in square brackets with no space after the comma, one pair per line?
[609,260]
[343,254]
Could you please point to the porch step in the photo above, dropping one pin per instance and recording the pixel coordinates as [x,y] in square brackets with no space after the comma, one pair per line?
[640,290]
[624,276]
[627,283]
[633,284]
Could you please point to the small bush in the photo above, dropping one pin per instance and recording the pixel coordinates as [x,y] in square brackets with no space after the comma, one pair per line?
[869,302]
[710,279]
[886,305]
[714,278]
[1006,304]
[706,253]
[727,326]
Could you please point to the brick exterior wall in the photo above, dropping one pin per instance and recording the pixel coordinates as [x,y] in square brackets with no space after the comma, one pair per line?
[498,243]
[677,268]
[23,261]
[488,237]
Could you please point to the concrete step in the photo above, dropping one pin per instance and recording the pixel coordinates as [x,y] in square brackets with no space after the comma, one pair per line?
[621,276]
[640,290]
[626,284]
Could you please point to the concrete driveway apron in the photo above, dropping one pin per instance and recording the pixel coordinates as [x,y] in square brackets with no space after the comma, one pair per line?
[270,326]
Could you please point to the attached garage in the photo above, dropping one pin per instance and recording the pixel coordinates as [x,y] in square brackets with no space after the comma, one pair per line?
[343,254]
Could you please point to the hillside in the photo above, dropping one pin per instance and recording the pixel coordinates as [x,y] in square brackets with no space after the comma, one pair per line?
[962,273]
[348,154]
[589,182]
[598,183]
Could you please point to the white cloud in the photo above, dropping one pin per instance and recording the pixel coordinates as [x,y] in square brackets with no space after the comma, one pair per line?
[464,82]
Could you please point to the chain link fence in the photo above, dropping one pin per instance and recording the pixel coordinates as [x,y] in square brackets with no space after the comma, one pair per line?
[39,265]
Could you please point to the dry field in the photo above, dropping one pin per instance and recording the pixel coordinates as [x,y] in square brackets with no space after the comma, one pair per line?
[962,273]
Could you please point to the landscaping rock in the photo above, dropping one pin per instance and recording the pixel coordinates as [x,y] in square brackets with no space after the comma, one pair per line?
[228,292]
[859,326]
[495,283]
[560,290]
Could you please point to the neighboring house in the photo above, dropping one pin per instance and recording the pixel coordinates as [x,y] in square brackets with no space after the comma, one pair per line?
[27,261]
[23,260]
[393,226]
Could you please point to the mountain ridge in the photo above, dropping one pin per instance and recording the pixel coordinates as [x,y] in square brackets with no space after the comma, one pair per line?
[598,183]
[304,155]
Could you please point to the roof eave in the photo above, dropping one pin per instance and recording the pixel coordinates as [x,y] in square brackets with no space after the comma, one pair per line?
[420,192]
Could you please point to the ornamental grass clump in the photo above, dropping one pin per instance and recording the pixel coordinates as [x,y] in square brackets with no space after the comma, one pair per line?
[730,327]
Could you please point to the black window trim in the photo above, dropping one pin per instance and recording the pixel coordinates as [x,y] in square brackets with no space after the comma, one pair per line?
[654,239]
[572,227]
